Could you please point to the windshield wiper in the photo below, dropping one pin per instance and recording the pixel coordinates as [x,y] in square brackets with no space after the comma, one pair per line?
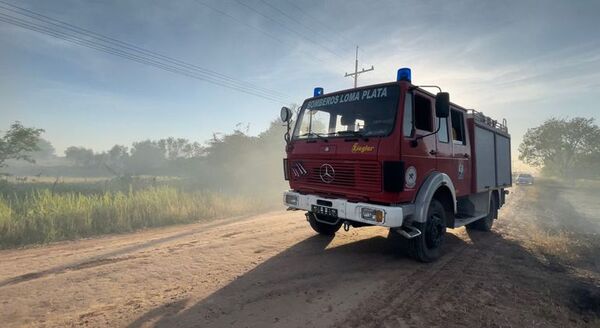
[353,133]
[313,134]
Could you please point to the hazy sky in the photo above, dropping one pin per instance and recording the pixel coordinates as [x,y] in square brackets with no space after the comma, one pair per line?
[520,60]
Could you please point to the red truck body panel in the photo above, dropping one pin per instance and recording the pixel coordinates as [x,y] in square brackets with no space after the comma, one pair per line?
[358,162]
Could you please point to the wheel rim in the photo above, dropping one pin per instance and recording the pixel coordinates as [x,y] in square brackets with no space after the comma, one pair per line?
[434,231]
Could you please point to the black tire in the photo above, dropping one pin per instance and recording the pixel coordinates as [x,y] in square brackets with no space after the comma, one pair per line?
[322,228]
[399,242]
[426,247]
[486,223]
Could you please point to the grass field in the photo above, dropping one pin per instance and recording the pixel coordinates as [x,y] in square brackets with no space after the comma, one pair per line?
[44,211]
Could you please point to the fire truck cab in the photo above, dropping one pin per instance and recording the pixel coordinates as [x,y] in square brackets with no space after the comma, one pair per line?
[397,156]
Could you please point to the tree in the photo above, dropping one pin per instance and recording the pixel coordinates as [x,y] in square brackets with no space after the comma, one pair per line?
[116,159]
[244,163]
[18,143]
[118,154]
[80,156]
[194,150]
[45,150]
[146,156]
[560,145]
[180,148]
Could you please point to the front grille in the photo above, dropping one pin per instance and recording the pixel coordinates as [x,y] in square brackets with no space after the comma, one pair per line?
[360,175]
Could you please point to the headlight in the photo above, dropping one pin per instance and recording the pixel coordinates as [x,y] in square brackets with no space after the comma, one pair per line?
[291,199]
[372,214]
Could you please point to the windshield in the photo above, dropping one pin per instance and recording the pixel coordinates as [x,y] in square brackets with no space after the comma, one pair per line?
[365,112]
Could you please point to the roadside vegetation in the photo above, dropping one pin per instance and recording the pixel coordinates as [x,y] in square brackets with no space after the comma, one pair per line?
[46,198]
[42,216]
[568,153]
[564,148]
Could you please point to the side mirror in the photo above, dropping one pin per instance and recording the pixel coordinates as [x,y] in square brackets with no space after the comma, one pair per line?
[286,114]
[442,104]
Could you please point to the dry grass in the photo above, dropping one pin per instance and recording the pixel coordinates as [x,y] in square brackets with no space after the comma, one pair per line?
[591,185]
[43,216]
[557,244]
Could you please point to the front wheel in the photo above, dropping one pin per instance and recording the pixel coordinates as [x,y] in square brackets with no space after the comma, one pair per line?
[322,228]
[426,247]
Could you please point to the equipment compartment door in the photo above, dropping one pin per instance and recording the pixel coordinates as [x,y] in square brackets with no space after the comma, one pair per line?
[461,152]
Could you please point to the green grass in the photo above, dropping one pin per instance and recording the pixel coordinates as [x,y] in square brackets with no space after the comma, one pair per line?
[10,186]
[41,216]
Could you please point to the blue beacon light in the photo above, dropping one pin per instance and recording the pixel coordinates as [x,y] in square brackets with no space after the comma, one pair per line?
[318,92]
[404,74]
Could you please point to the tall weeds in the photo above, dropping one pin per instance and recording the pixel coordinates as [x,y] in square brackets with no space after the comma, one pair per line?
[43,216]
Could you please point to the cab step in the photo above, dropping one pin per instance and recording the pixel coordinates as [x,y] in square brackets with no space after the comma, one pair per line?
[409,232]
[462,219]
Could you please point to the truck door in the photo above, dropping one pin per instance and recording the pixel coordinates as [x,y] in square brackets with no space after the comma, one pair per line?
[461,152]
[445,156]
[418,120]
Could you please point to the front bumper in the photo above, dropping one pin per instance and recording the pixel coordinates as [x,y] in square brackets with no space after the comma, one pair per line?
[393,218]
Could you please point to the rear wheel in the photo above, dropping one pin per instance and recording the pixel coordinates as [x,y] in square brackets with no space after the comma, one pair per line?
[323,228]
[486,223]
[426,247]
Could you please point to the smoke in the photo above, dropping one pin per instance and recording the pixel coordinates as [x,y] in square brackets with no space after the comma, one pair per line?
[234,163]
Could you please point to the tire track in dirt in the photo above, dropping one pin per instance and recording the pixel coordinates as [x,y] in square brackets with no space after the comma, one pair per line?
[74,267]
[491,281]
[271,270]
[95,290]
[393,297]
[114,255]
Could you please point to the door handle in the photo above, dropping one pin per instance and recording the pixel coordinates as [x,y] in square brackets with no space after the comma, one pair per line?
[465,155]
[432,152]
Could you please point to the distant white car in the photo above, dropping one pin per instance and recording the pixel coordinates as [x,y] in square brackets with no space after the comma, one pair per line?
[524,179]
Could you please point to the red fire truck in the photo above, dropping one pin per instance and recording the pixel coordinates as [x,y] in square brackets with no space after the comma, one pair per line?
[397,156]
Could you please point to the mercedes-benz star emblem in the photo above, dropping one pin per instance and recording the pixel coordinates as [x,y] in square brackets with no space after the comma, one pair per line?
[327,173]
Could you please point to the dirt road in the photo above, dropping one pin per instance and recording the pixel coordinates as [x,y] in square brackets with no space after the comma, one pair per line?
[538,268]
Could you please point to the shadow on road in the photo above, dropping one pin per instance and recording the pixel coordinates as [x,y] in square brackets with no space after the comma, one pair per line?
[484,278]
[311,280]
[291,283]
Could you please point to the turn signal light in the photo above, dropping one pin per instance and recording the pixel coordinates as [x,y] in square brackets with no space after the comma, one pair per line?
[372,214]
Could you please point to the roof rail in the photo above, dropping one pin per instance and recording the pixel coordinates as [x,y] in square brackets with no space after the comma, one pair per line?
[479,117]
